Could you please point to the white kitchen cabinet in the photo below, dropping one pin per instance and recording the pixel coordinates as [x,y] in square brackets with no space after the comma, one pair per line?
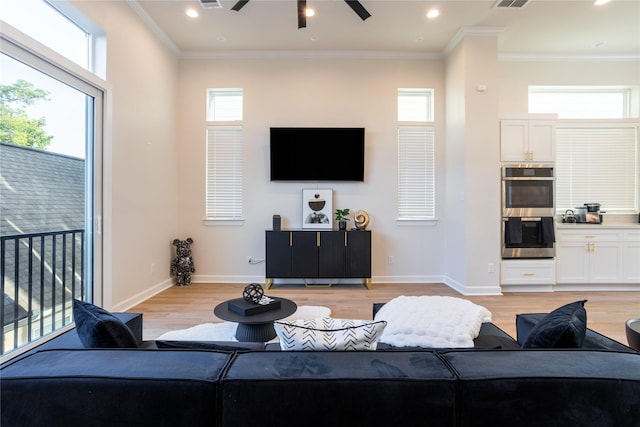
[527,275]
[528,140]
[631,263]
[597,256]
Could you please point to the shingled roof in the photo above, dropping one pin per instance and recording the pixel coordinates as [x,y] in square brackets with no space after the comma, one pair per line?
[39,191]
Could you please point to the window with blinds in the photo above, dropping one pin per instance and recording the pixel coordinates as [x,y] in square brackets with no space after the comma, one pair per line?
[416,160]
[224,155]
[224,173]
[596,160]
[597,163]
[416,184]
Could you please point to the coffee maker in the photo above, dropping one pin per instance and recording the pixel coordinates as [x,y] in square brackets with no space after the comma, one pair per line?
[593,213]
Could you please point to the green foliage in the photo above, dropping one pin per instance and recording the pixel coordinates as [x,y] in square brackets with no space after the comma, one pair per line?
[342,214]
[16,127]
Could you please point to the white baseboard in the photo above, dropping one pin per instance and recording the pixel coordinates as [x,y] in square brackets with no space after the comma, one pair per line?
[142,296]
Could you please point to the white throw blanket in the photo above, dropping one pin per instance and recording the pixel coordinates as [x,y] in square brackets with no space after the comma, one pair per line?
[226,331]
[431,321]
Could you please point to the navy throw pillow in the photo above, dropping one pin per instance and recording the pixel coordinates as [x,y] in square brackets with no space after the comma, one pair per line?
[564,327]
[97,328]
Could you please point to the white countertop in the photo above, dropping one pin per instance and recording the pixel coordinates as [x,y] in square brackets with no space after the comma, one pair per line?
[604,225]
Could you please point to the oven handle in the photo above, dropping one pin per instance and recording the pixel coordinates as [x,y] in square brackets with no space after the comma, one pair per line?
[522,178]
[524,219]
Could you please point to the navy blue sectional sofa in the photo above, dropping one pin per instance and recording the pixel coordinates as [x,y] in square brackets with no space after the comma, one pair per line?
[238,384]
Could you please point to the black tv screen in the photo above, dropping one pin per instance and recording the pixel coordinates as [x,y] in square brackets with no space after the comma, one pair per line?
[317,154]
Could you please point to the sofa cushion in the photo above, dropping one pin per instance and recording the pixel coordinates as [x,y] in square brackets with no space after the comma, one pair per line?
[546,387]
[564,327]
[98,328]
[338,388]
[112,387]
[329,334]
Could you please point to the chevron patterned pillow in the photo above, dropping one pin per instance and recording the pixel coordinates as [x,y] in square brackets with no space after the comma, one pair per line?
[329,334]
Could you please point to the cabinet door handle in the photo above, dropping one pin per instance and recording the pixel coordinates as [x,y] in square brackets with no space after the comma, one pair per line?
[317,238]
[529,274]
[345,240]
[290,239]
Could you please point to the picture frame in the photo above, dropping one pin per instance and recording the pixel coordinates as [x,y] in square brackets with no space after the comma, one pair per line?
[317,208]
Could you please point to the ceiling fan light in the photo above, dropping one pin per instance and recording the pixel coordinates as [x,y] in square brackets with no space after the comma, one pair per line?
[433,13]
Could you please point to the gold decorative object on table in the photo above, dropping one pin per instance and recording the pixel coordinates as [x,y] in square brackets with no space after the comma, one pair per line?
[361,220]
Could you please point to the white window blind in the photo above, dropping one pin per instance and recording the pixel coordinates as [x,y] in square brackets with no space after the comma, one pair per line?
[416,173]
[597,164]
[224,173]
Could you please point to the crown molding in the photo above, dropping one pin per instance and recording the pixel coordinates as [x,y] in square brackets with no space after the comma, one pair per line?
[567,57]
[473,31]
[320,54]
[151,24]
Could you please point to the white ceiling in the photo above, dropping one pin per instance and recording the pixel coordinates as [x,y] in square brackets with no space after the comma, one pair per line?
[541,28]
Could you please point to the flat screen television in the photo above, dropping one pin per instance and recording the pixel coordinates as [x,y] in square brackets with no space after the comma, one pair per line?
[316,154]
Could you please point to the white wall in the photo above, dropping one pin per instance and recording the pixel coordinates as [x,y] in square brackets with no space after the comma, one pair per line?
[140,158]
[472,167]
[156,168]
[306,92]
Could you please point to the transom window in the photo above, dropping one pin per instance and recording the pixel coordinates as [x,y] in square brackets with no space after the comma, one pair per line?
[579,102]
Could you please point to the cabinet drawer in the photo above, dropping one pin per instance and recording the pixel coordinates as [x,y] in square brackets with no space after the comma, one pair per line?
[590,234]
[632,236]
[515,272]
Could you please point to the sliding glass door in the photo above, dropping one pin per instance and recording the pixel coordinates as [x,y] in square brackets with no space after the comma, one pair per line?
[50,195]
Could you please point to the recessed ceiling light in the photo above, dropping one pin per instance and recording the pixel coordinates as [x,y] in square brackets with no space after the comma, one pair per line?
[599,43]
[419,39]
[600,2]
[314,38]
[309,12]
[433,13]
[191,13]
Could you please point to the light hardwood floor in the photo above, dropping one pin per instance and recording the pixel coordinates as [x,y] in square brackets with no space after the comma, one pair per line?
[183,307]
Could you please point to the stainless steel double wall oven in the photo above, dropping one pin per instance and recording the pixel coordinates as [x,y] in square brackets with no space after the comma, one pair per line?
[528,209]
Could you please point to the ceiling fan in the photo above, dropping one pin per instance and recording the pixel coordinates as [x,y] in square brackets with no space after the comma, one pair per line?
[302,6]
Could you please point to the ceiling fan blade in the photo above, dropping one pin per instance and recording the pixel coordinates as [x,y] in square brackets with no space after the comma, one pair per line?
[358,8]
[239,5]
[302,13]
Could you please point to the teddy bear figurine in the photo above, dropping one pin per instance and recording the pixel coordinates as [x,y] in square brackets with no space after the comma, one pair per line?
[182,265]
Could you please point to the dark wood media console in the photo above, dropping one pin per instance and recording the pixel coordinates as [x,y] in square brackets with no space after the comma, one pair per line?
[315,254]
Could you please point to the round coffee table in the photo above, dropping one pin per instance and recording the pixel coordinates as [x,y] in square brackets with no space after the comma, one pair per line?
[255,327]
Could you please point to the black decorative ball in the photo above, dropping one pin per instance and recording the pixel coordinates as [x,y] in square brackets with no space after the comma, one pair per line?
[253,293]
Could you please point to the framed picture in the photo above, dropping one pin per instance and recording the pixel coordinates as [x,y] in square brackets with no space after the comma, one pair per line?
[317,208]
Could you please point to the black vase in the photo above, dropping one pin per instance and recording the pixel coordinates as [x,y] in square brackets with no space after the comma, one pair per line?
[342,225]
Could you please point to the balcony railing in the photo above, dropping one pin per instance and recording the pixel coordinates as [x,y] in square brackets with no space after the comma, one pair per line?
[41,275]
